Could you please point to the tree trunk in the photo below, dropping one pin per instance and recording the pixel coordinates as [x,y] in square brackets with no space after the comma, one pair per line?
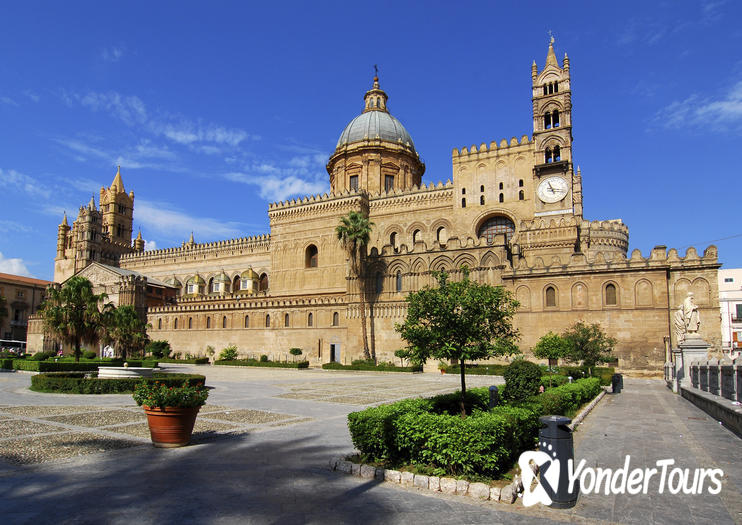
[362,288]
[77,350]
[463,387]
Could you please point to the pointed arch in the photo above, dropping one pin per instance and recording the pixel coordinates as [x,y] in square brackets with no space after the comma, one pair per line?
[580,296]
[523,296]
[643,293]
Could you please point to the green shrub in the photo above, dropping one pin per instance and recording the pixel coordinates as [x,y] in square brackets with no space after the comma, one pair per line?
[51,366]
[366,366]
[482,370]
[229,353]
[566,399]
[577,372]
[77,383]
[6,364]
[42,356]
[147,363]
[263,358]
[522,380]
[253,362]
[475,399]
[89,354]
[158,349]
[194,361]
[551,380]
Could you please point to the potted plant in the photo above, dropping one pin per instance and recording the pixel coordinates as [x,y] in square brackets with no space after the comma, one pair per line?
[442,366]
[171,411]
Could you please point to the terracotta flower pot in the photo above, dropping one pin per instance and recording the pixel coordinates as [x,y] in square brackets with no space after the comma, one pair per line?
[171,426]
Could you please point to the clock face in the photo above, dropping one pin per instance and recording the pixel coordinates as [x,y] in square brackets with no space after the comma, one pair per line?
[552,189]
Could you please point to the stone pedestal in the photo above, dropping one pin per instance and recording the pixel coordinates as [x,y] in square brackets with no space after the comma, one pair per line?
[692,349]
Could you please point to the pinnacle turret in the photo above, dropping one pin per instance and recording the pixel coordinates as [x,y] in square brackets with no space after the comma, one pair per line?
[375,98]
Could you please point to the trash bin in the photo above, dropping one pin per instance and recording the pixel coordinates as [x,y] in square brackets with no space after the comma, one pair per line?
[555,439]
[494,397]
[617,383]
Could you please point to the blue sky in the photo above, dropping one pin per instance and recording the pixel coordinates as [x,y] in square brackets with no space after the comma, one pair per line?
[215,109]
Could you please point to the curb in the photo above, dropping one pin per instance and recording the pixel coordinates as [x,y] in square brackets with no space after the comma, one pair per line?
[460,487]
[585,411]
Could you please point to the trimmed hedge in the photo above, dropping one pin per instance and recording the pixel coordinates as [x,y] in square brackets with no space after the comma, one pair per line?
[255,362]
[193,361]
[481,370]
[430,432]
[604,373]
[7,364]
[70,366]
[381,367]
[553,380]
[77,383]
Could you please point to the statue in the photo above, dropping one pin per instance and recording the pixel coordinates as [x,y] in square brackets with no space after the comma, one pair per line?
[690,315]
[678,322]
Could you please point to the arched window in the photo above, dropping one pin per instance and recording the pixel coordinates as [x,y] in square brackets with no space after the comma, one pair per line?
[502,197]
[520,183]
[463,203]
[190,323]
[399,281]
[416,236]
[393,240]
[550,297]
[502,185]
[555,118]
[557,153]
[481,200]
[175,324]
[463,191]
[521,195]
[236,283]
[547,121]
[268,320]
[481,188]
[546,90]
[335,319]
[263,284]
[208,322]
[379,282]
[286,320]
[159,324]
[551,88]
[310,257]
[547,155]
[610,294]
[310,320]
[442,235]
[224,321]
[556,87]
[495,225]
[247,321]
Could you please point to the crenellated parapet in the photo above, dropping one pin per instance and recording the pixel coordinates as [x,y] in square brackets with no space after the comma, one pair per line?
[258,244]
[604,236]
[424,196]
[212,304]
[505,146]
[318,205]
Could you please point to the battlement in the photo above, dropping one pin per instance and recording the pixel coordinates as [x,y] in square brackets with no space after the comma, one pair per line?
[213,304]
[659,258]
[259,243]
[492,148]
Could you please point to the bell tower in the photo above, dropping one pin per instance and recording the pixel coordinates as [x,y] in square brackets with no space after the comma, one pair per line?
[117,209]
[552,137]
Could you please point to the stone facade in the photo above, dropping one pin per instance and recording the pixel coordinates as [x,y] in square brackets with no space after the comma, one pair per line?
[512,215]
[22,295]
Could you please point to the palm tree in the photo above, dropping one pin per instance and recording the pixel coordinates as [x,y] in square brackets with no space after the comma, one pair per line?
[125,329]
[354,232]
[71,312]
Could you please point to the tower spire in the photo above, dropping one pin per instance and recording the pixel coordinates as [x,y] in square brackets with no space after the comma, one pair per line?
[375,98]
[64,219]
[118,182]
[550,55]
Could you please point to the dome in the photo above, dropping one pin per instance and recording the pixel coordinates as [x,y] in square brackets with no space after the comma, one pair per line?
[369,125]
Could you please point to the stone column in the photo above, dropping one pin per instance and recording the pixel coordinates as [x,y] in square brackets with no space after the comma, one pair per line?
[692,349]
[677,359]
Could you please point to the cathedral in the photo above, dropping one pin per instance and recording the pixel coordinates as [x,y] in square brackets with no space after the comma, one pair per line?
[512,215]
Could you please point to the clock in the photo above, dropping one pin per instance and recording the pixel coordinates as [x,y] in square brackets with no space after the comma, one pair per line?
[552,189]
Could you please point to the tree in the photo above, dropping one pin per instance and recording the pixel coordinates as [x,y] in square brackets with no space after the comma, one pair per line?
[589,345]
[295,352]
[402,354]
[552,346]
[354,232]
[460,320]
[72,313]
[125,329]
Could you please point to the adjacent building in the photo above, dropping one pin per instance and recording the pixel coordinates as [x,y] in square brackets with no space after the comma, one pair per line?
[22,296]
[730,302]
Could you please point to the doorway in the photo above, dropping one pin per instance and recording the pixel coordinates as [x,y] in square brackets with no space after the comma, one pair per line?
[335,352]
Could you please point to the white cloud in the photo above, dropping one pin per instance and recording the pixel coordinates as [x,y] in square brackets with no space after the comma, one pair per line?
[15,266]
[113,54]
[82,148]
[718,114]
[9,101]
[160,217]
[150,245]
[129,109]
[25,183]
[276,186]
[13,227]
[31,95]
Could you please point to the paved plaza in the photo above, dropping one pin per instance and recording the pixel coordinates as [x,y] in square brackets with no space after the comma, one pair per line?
[263,441]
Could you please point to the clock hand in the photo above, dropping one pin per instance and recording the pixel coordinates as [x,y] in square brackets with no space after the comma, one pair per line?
[550,188]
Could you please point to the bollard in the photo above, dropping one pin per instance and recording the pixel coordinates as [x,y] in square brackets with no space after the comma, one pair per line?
[616,383]
[555,439]
[494,397]
[569,378]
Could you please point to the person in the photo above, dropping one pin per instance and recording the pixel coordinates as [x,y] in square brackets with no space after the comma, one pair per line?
[679,324]
[690,314]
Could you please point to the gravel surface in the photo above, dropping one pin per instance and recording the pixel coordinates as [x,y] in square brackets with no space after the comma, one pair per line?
[18,427]
[100,419]
[60,446]
[42,411]
[254,417]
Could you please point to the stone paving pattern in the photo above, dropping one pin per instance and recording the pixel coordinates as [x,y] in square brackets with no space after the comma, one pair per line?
[269,464]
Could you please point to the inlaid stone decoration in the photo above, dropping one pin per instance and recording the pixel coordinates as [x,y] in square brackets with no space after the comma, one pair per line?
[694,375]
[703,377]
